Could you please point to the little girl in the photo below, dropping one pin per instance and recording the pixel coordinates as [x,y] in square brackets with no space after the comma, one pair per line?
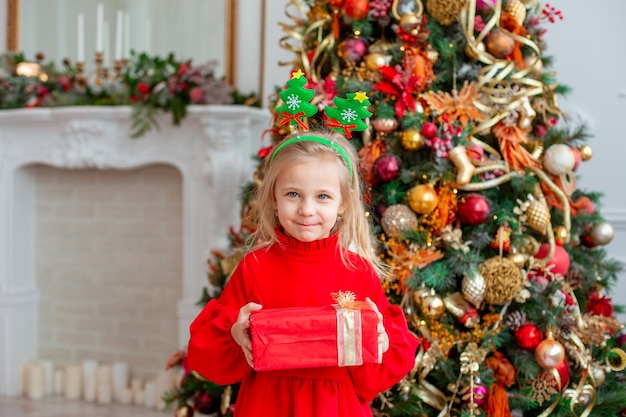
[314,240]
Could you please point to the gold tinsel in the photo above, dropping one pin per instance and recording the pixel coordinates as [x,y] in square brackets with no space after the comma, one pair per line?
[445,11]
[503,278]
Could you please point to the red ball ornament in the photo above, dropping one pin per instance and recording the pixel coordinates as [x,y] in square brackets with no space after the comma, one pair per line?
[474,209]
[204,403]
[528,336]
[564,373]
[356,9]
[429,130]
[387,167]
[559,261]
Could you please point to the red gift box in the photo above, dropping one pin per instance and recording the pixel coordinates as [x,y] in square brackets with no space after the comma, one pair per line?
[307,337]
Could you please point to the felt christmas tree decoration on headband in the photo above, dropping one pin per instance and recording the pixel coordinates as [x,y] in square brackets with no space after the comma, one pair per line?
[346,117]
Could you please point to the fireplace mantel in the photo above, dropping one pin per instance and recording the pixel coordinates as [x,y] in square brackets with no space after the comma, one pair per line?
[212,149]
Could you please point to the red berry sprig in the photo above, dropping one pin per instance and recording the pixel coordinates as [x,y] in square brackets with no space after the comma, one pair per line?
[551,13]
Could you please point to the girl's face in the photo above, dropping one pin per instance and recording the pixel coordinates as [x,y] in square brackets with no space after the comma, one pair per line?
[308,199]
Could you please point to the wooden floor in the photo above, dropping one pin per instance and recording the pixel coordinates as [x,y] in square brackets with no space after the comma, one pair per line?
[60,407]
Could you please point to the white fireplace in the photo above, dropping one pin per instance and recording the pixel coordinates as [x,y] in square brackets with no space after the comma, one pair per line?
[212,150]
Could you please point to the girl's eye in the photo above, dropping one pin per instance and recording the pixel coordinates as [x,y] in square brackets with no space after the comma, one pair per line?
[323,197]
[292,194]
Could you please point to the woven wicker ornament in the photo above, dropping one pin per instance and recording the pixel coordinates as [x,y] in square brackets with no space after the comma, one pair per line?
[503,279]
[445,11]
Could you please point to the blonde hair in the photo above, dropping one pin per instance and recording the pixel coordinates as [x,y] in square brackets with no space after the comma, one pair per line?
[354,227]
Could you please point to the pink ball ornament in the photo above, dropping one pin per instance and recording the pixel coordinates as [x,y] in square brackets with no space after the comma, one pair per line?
[387,167]
[354,49]
[485,6]
[474,209]
[528,336]
[480,394]
[560,260]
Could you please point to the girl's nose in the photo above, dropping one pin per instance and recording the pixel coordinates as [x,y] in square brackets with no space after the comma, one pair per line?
[306,208]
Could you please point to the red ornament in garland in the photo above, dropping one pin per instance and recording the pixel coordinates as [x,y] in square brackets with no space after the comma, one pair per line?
[356,9]
[387,167]
[429,130]
[528,336]
[560,260]
[474,209]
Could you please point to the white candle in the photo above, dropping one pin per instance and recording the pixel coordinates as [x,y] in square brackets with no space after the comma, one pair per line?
[118,35]
[149,394]
[48,367]
[99,27]
[120,379]
[72,387]
[106,51]
[140,398]
[59,381]
[89,368]
[104,394]
[126,396]
[36,381]
[80,54]
[103,375]
[136,384]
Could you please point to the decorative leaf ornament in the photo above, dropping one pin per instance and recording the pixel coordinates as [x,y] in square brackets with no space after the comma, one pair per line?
[297,101]
[349,113]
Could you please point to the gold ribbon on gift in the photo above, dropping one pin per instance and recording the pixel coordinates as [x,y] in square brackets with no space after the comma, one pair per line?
[349,337]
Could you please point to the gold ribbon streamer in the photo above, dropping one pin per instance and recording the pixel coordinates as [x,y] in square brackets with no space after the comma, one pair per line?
[298,33]
[500,75]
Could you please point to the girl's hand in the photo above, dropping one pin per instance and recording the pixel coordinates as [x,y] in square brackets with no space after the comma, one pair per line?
[383,338]
[240,330]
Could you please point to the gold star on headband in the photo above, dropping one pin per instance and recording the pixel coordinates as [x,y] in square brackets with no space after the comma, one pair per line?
[297,74]
[361,96]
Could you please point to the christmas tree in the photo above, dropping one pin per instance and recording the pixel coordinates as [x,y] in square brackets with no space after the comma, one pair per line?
[496,256]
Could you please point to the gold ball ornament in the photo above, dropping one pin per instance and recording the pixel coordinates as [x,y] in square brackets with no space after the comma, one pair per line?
[419,294]
[519,259]
[530,245]
[549,353]
[385,126]
[397,219]
[375,60]
[433,306]
[423,198]
[586,152]
[538,216]
[444,11]
[561,235]
[184,411]
[503,278]
[499,44]
[601,233]
[474,288]
[410,23]
[477,50]
[412,140]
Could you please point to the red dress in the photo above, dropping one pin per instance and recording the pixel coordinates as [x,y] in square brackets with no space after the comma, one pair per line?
[291,273]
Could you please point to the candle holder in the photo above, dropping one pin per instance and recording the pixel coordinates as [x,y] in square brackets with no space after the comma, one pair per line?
[117,67]
[99,68]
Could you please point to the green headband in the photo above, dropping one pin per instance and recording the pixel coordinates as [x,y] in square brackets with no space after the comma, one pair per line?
[317,139]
